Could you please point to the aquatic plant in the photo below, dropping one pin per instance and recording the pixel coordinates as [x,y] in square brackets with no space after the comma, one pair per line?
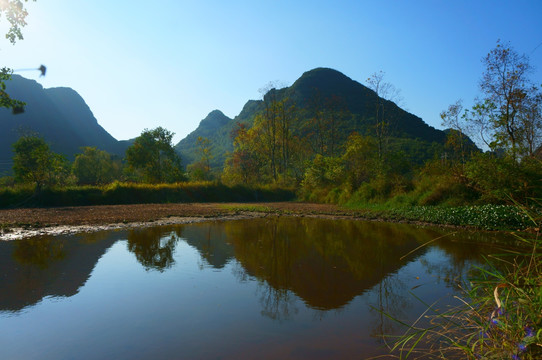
[490,217]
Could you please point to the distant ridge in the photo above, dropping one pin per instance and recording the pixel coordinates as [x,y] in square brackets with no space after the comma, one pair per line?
[66,122]
[59,115]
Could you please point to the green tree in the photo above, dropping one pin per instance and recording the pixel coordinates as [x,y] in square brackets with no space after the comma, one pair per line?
[15,13]
[359,160]
[94,167]
[326,115]
[511,102]
[269,122]
[153,154]
[500,178]
[34,162]
[264,153]
[323,173]
[245,164]
[201,170]
[5,100]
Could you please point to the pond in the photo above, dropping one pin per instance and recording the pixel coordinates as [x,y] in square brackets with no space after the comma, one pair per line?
[269,288]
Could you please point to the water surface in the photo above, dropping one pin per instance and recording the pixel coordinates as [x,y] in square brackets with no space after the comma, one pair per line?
[277,287]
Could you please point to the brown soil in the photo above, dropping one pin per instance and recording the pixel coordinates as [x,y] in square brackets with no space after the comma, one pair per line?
[107,214]
[19,223]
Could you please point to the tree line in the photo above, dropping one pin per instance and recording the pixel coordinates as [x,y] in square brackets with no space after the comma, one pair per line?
[324,163]
[375,166]
[151,159]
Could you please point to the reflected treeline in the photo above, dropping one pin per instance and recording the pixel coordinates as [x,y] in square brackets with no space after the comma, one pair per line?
[153,247]
[40,252]
[48,266]
[277,304]
[325,262]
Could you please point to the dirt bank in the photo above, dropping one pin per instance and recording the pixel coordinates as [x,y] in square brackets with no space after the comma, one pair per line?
[21,223]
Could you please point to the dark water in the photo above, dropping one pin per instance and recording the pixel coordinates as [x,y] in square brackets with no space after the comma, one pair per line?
[272,288]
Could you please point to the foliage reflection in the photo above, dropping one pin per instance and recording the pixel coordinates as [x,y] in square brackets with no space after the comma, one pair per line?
[153,247]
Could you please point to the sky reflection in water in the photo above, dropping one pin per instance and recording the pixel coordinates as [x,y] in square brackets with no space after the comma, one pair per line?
[285,287]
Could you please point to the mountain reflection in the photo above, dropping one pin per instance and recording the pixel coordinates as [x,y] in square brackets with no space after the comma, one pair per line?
[211,242]
[325,263]
[48,266]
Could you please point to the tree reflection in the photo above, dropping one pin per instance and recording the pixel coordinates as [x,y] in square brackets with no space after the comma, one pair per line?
[153,247]
[324,262]
[389,300]
[461,256]
[41,252]
[277,304]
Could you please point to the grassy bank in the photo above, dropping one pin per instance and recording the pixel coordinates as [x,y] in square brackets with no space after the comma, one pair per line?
[486,217]
[130,193]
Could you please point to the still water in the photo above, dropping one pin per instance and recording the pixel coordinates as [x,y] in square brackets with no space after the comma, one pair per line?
[270,288]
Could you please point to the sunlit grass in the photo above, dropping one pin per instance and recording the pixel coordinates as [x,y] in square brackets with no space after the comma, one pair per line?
[133,193]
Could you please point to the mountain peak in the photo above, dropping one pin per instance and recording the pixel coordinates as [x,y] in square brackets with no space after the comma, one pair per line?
[323,71]
[214,119]
[323,75]
[326,83]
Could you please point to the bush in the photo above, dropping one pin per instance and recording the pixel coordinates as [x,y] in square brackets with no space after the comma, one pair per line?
[130,193]
[499,178]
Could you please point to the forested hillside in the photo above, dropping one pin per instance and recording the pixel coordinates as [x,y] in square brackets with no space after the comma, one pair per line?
[323,107]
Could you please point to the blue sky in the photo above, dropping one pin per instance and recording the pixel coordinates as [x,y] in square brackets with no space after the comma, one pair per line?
[143,64]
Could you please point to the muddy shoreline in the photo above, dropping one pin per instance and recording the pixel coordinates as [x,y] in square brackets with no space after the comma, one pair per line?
[24,223]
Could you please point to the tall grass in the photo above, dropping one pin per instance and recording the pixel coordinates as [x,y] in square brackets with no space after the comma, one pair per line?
[131,193]
[501,315]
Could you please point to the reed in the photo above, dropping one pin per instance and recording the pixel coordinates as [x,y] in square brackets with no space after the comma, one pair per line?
[500,316]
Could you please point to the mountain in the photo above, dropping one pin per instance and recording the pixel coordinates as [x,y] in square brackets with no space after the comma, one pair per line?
[59,115]
[315,91]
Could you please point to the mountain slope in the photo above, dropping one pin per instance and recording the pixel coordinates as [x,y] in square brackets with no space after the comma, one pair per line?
[360,101]
[311,93]
[59,115]
[214,127]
